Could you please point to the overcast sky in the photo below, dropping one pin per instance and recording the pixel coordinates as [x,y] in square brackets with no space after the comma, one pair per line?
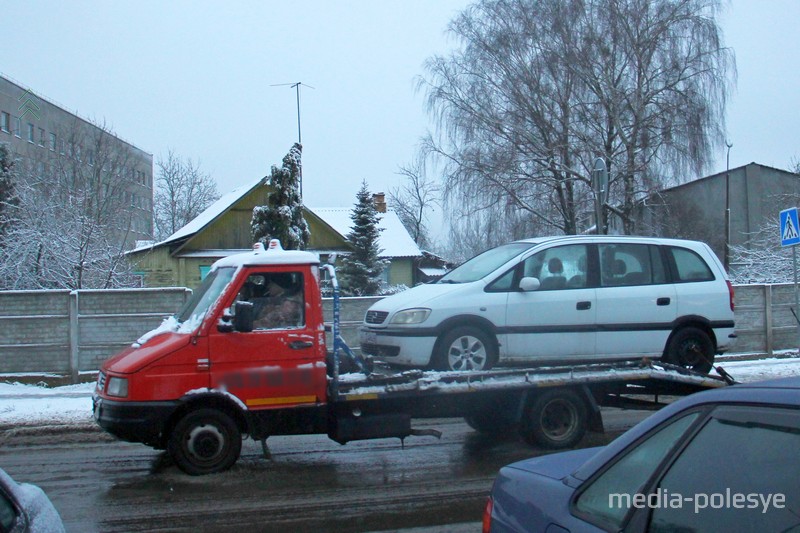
[197,77]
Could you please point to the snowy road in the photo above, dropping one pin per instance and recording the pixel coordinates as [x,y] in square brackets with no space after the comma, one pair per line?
[309,483]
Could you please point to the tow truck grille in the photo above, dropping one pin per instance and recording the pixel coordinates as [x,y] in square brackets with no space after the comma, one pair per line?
[376,317]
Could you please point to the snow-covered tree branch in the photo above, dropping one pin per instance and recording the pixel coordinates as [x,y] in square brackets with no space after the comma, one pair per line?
[183,191]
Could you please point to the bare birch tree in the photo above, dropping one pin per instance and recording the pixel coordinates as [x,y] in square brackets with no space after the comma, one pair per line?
[539,88]
[414,200]
[72,220]
[183,191]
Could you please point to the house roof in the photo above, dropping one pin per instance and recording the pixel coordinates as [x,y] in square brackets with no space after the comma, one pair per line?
[211,213]
[718,174]
[394,240]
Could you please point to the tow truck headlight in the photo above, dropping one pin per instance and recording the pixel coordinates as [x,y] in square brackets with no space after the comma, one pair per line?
[117,387]
[411,316]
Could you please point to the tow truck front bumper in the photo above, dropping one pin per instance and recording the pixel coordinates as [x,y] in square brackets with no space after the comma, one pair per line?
[134,421]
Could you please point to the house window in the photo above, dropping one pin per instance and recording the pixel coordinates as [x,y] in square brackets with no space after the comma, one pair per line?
[41,136]
[5,121]
[17,126]
[53,142]
[31,132]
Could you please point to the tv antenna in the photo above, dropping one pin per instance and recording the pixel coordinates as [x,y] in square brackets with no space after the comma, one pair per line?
[295,86]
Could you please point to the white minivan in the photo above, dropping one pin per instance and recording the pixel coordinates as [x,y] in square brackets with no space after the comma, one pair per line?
[562,299]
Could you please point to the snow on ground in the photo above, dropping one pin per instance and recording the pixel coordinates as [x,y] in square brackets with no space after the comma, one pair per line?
[22,405]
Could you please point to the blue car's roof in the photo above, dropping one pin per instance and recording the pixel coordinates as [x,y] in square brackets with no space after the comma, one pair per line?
[783,391]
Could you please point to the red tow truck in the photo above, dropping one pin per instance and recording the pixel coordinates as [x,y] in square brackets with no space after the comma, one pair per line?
[218,370]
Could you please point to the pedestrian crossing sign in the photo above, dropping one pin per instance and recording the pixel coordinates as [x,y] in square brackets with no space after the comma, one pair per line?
[790,228]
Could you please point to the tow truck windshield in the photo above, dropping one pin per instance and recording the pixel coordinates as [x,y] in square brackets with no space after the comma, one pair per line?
[205,295]
[485,263]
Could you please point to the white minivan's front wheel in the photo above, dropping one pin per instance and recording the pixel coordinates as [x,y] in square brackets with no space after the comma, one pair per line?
[465,348]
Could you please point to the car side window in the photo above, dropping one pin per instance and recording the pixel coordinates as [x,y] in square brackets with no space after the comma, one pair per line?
[562,267]
[504,283]
[690,266]
[752,486]
[630,264]
[278,300]
[609,497]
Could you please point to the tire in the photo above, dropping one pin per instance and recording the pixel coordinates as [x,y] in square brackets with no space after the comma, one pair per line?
[556,419]
[465,348]
[691,348]
[205,441]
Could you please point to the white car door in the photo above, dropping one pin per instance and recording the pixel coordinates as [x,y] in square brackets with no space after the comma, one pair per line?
[635,305]
[556,321]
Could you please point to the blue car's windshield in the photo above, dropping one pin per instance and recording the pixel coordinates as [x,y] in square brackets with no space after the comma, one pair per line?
[484,264]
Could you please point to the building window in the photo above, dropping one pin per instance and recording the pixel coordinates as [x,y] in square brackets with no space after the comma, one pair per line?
[31,133]
[5,121]
[41,136]
[90,157]
[17,126]
[53,142]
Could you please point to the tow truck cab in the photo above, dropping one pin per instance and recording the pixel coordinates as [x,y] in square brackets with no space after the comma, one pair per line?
[212,356]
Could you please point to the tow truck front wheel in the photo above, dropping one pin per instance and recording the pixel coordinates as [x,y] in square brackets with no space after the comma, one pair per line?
[205,441]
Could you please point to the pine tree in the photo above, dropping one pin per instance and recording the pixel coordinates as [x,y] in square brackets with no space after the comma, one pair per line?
[360,271]
[8,198]
[282,217]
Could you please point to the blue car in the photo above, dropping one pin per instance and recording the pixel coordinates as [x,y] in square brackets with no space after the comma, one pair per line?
[721,460]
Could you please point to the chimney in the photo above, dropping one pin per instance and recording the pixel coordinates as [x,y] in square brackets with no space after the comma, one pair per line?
[379,199]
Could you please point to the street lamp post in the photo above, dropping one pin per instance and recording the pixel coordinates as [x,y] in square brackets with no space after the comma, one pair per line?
[728,208]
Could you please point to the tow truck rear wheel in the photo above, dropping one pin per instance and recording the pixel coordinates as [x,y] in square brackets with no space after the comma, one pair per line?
[205,441]
[555,419]
[465,348]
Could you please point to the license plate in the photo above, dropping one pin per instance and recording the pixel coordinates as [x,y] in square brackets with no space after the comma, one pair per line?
[369,337]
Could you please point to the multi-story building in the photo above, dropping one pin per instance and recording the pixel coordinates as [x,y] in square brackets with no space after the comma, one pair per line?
[52,146]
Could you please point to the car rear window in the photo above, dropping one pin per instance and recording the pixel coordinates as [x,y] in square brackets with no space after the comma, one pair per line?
[689,266]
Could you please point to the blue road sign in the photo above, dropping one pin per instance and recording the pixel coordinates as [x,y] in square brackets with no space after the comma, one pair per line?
[790,228]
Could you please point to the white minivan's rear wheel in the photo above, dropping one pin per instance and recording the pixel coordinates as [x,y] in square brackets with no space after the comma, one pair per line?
[465,348]
[691,348]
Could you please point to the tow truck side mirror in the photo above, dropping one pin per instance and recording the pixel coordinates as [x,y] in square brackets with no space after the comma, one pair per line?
[243,317]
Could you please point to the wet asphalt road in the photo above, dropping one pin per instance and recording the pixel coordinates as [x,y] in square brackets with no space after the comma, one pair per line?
[308,483]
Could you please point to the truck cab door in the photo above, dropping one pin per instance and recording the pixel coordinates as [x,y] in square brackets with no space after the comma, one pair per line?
[281,362]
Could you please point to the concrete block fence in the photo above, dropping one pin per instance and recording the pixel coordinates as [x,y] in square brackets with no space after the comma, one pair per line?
[69,332]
